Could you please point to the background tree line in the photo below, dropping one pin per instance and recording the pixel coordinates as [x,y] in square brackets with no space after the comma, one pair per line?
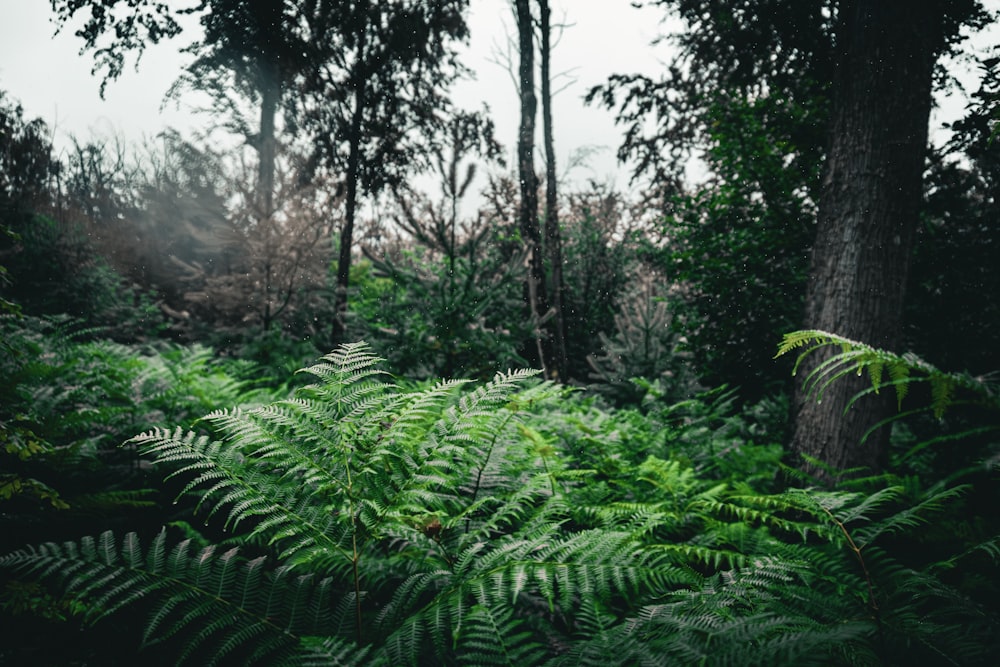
[342,102]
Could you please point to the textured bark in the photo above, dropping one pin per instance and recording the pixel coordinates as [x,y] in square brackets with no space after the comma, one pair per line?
[553,238]
[528,210]
[867,212]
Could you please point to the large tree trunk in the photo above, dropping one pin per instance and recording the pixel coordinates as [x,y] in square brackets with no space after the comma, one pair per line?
[553,239]
[528,211]
[867,213]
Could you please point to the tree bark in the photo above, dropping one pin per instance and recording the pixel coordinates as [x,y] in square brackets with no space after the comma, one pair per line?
[553,239]
[528,209]
[268,16]
[267,150]
[868,213]
[360,85]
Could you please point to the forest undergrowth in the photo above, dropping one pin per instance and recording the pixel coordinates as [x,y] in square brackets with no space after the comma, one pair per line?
[344,516]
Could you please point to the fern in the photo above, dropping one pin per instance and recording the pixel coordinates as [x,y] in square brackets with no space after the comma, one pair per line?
[368,523]
[494,636]
[226,600]
[903,370]
[353,482]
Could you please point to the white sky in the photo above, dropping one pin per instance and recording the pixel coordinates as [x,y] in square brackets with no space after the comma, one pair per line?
[52,80]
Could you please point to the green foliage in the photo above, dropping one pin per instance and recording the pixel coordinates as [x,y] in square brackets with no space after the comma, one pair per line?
[946,426]
[598,254]
[67,405]
[26,163]
[645,345]
[747,93]
[379,490]
[956,245]
[514,522]
[433,318]
[885,369]
[743,238]
[55,268]
[231,599]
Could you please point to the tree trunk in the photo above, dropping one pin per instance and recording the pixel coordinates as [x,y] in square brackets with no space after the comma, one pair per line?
[360,84]
[267,16]
[553,239]
[528,210]
[867,214]
[267,150]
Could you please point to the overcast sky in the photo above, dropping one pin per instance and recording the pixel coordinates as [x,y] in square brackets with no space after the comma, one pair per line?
[52,80]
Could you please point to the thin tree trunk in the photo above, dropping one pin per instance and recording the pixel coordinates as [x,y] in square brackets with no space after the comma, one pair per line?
[351,203]
[553,239]
[528,210]
[867,213]
[268,16]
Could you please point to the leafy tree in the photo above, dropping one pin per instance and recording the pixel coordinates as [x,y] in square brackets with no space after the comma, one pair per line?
[868,210]
[602,255]
[750,49]
[439,299]
[374,103]
[99,185]
[748,95]
[644,348]
[957,241]
[273,265]
[870,66]
[736,248]
[48,245]
[252,49]
[370,78]
[184,221]
[26,168]
[255,50]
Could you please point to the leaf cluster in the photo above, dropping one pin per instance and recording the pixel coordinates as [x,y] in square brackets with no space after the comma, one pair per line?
[67,404]
[885,369]
[363,522]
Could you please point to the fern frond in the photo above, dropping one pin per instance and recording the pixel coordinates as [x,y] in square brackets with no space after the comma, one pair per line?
[693,553]
[990,547]
[601,639]
[903,370]
[331,652]
[224,605]
[910,517]
[767,612]
[348,364]
[221,474]
[495,636]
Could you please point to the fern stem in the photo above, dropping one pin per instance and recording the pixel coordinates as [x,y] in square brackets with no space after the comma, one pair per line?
[357,587]
[482,469]
[548,473]
[872,602]
[354,552]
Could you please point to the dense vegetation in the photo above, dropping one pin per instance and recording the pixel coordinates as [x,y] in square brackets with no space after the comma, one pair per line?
[202,463]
